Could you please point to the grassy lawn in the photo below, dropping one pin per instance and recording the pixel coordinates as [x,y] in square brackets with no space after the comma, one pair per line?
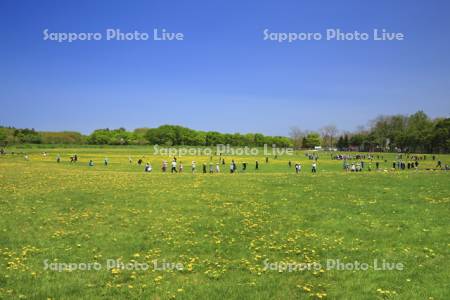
[223,229]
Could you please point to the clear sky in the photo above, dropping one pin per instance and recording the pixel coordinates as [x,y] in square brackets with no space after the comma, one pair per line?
[223,76]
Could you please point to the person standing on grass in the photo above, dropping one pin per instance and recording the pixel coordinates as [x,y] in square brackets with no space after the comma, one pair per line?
[129,159]
[217,168]
[267,159]
[314,167]
[164,166]
[106,161]
[244,166]
[204,168]
[180,168]
[148,167]
[174,166]
[256,165]
[232,167]
[58,158]
[439,164]
[193,166]
[290,164]
[91,163]
[211,169]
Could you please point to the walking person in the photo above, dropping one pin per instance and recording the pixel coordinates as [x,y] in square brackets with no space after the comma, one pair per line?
[174,166]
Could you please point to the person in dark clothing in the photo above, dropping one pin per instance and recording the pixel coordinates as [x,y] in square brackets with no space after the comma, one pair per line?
[204,168]
[244,166]
[290,164]
[256,165]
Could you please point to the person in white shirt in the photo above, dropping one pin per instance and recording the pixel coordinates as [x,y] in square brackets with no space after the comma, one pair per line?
[217,168]
[193,167]
[174,166]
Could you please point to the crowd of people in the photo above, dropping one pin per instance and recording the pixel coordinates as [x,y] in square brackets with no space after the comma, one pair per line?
[351,163]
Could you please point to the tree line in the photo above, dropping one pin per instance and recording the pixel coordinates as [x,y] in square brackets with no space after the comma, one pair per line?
[167,135]
[416,133]
[400,133]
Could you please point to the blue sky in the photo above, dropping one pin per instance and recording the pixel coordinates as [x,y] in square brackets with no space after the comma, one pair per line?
[223,76]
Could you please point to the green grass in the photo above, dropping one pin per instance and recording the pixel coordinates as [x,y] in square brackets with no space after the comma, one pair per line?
[220,227]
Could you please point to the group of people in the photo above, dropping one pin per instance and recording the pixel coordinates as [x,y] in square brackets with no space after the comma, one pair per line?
[351,163]
[177,167]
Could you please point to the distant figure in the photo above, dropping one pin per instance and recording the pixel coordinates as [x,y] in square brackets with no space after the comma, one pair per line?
[91,163]
[75,158]
[129,159]
[439,164]
[140,161]
[256,165]
[148,167]
[26,157]
[211,169]
[377,165]
[58,158]
[174,166]
[217,168]
[204,168]
[164,166]
[244,166]
[232,167]
[314,167]
[180,168]
[267,159]
[223,161]
[106,161]
[193,167]
[290,164]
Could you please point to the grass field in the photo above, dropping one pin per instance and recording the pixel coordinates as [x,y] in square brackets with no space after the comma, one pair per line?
[222,229]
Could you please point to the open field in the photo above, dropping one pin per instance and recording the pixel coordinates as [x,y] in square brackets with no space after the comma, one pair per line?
[222,229]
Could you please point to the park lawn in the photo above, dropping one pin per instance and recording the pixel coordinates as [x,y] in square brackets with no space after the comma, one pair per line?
[221,227]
